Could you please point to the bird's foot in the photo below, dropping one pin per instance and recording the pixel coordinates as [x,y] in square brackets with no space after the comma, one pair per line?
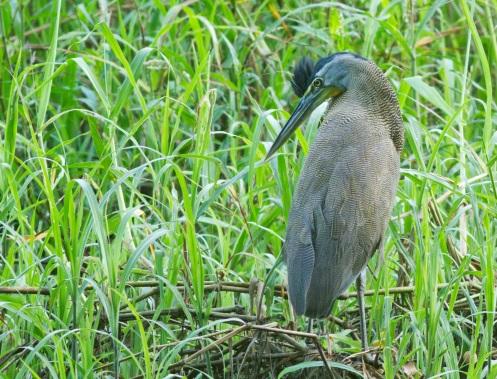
[371,358]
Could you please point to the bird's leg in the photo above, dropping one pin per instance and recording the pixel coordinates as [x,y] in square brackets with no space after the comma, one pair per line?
[321,327]
[309,325]
[309,341]
[360,284]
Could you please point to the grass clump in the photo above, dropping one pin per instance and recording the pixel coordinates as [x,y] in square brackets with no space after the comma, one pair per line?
[136,207]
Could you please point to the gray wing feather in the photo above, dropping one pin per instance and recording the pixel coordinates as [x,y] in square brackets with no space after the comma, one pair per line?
[300,268]
[348,219]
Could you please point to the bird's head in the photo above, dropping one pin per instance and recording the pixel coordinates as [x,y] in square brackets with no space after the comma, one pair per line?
[315,84]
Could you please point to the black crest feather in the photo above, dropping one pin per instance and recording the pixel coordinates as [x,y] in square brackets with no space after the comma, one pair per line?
[302,76]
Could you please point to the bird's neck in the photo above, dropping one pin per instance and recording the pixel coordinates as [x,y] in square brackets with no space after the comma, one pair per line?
[371,91]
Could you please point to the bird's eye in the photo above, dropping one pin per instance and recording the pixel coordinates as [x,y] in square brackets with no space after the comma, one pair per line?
[317,83]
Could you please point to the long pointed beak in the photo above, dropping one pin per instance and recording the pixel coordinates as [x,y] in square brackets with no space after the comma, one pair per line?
[305,107]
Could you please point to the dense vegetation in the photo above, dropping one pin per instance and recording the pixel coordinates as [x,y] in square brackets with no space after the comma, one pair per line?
[133,182]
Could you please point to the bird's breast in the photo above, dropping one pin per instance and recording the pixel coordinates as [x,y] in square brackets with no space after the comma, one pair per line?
[342,137]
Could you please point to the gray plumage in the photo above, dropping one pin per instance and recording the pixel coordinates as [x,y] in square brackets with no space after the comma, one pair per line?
[347,187]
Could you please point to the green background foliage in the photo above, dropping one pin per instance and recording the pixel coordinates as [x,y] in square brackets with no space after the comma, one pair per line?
[132,145]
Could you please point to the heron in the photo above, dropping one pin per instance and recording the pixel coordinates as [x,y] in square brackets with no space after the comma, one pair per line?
[346,191]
